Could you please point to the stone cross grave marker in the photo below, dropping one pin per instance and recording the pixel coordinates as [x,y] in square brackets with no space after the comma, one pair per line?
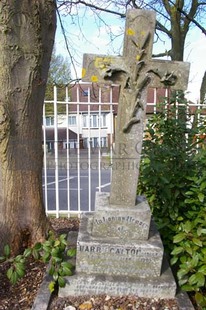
[134,72]
[119,250]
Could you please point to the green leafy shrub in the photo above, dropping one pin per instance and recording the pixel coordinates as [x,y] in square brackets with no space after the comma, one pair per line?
[17,265]
[167,162]
[173,178]
[189,252]
[52,251]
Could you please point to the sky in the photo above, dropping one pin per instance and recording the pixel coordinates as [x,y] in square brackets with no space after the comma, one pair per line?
[91,36]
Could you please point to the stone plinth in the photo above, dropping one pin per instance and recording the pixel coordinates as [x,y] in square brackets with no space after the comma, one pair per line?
[120,253]
[112,222]
[109,256]
[157,287]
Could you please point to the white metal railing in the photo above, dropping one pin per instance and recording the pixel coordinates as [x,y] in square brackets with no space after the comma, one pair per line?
[73,173]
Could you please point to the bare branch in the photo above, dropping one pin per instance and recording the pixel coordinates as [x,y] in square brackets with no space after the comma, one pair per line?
[190,18]
[167,6]
[166,53]
[201,3]
[134,5]
[67,46]
[162,28]
[62,3]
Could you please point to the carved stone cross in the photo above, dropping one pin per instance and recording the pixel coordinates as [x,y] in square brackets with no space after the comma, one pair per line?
[134,72]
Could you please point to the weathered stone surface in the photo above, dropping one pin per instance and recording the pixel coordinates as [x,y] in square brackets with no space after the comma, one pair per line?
[130,71]
[159,287]
[142,260]
[184,301]
[160,68]
[135,71]
[99,65]
[110,222]
[105,255]
[44,295]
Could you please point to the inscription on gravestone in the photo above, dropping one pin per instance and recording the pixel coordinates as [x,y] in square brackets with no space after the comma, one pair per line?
[119,288]
[120,223]
[141,260]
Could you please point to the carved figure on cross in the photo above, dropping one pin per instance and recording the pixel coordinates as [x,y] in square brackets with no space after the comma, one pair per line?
[134,72]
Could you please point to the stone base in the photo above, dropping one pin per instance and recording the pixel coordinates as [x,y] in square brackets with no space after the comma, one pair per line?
[139,258]
[124,223]
[159,287]
[120,252]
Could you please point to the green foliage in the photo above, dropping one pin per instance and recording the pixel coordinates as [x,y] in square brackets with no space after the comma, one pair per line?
[61,96]
[17,265]
[167,162]
[173,178]
[6,253]
[59,70]
[59,75]
[52,251]
[189,252]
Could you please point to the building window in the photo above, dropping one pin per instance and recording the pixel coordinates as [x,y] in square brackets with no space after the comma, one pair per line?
[103,120]
[94,142]
[72,120]
[103,142]
[92,121]
[49,121]
[85,118]
[85,92]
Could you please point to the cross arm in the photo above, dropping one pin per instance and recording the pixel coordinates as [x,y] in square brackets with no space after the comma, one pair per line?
[103,68]
[108,69]
[169,73]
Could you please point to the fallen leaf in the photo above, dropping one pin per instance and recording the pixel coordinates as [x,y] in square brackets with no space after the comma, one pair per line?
[87,305]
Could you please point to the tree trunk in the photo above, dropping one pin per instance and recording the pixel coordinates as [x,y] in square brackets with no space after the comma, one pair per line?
[203,89]
[27,30]
[178,35]
[178,42]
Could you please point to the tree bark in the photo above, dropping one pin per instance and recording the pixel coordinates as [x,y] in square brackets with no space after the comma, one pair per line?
[27,30]
[203,89]
[179,25]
